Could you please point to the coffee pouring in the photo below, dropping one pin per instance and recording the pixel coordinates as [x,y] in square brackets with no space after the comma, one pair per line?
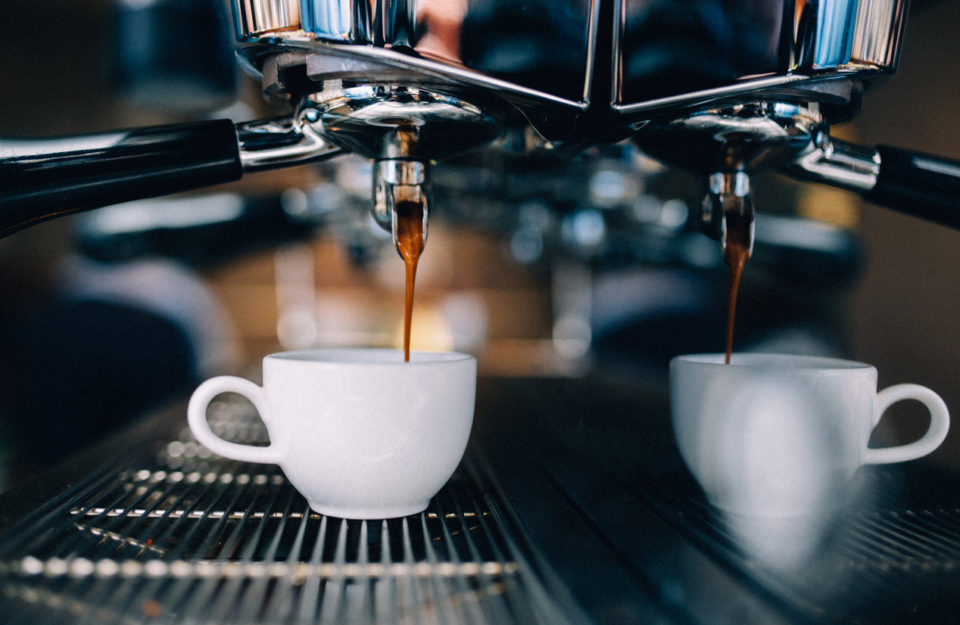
[556,486]
[408,83]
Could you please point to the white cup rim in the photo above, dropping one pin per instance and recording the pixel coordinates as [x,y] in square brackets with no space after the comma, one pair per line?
[364,356]
[761,360]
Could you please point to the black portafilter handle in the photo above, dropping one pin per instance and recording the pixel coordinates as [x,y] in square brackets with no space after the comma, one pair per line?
[43,178]
[918,184]
[910,182]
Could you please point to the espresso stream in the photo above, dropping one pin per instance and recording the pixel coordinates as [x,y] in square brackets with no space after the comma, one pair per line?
[736,251]
[410,243]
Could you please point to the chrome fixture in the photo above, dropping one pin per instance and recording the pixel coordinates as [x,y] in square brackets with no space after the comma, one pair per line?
[726,144]
[403,129]
[722,89]
[672,54]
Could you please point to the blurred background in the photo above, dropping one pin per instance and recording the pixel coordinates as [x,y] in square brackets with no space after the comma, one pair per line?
[540,269]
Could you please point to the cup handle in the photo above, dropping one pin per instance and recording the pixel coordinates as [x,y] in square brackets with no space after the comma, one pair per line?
[197,418]
[935,434]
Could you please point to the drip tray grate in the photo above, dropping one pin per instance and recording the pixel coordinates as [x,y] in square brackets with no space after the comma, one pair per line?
[192,537]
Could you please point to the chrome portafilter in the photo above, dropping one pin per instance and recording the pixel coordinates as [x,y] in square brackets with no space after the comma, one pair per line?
[727,207]
[403,129]
[726,145]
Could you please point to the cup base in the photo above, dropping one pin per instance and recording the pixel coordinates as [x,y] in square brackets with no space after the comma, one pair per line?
[816,508]
[369,513]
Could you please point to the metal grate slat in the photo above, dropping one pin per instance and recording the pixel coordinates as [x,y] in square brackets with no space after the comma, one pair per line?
[176,534]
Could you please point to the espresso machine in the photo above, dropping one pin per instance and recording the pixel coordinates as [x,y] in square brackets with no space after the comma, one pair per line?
[571,505]
[717,90]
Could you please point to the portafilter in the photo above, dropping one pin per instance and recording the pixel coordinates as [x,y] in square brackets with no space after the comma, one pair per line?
[721,88]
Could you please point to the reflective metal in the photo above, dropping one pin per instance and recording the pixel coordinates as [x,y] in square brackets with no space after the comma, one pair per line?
[728,192]
[710,85]
[548,58]
[727,144]
[165,532]
[397,181]
[664,52]
[539,49]
[387,121]
[876,37]
[256,18]
[404,129]
[735,137]
[838,163]
[669,53]
[268,144]
[350,21]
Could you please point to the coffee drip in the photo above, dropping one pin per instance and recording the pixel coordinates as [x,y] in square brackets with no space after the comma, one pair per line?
[736,251]
[727,213]
[410,238]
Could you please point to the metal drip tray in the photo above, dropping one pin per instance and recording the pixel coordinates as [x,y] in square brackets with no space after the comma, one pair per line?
[571,506]
[185,536]
[893,556]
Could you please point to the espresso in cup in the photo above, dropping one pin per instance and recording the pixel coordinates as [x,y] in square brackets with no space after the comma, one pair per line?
[360,433]
[781,435]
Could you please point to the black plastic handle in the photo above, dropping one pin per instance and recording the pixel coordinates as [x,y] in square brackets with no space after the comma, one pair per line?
[918,184]
[44,178]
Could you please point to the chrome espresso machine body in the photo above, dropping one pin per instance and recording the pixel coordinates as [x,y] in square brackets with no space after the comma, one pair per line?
[572,504]
[717,88]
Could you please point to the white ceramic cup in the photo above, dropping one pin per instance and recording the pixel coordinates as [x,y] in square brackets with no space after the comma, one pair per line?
[781,435]
[359,432]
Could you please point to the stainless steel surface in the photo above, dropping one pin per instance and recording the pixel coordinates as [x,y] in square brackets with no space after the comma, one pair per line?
[892,556]
[728,193]
[267,144]
[400,181]
[715,88]
[876,34]
[530,48]
[573,507]
[742,136]
[665,60]
[176,534]
[663,53]
[838,163]
[427,80]
[752,83]
[403,128]
[888,555]
[261,17]
[670,54]
[397,122]
[728,144]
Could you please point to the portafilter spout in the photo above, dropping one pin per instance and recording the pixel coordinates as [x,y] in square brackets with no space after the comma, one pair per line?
[726,213]
[403,129]
[727,143]
[397,183]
